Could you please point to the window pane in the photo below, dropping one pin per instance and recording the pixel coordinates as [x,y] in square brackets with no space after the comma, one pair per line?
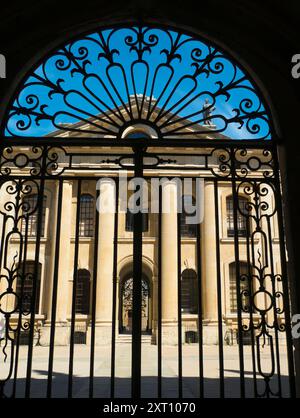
[241,217]
[189,301]
[137,134]
[25,286]
[244,285]
[86,218]
[187,230]
[82,292]
[130,218]
[30,207]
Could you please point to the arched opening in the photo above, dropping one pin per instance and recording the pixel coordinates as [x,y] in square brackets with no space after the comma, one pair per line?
[137,133]
[189,297]
[126,307]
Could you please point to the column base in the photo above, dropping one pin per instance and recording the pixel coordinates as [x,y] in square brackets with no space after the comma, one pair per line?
[169,332]
[62,334]
[211,332]
[103,333]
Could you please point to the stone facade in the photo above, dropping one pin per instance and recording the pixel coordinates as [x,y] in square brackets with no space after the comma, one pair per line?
[210,269]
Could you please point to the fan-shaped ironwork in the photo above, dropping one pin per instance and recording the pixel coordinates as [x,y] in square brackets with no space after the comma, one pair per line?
[104,81]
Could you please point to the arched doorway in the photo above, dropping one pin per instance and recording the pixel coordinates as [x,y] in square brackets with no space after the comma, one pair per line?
[125,305]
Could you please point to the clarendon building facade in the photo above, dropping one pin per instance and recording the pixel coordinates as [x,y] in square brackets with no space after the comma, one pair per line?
[120,264]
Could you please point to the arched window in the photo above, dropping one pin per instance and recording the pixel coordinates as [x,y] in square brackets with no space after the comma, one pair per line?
[189,301]
[244,286]
[242,213]
[134,94]
[188,210]
[31,213]
[137,133]
[87,216]
[82,304]
[25,286]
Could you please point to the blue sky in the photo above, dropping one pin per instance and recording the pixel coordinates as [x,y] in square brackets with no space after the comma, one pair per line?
[70,85]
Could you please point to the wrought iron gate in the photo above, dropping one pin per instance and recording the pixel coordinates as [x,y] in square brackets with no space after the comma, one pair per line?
[262,289]
[150,101]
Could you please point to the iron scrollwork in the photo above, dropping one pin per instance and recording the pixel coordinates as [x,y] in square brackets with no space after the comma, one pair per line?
[33,161]
[261,291]
[15,303]
[102,82]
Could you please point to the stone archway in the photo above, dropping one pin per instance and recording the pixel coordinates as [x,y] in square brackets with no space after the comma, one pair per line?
[125,305]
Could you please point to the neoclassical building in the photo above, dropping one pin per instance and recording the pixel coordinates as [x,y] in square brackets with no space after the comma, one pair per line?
[92,240]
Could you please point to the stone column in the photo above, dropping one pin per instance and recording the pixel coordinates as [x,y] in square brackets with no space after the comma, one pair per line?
[62,329]
[210,330]
[106,208]
[49,275]
[169,260]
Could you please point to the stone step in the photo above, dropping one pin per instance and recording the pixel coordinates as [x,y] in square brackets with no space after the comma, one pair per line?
[127,339]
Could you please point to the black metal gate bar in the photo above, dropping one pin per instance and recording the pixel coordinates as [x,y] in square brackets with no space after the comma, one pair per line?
[179,302]
[274,308]
[40,205]
[237,263]
[20,313]
[94,299]
[74,292]
[200,309]
[159,296]
[18,337]
[3,230]
[137,285]
[250,287]
[219,291]
[55,288]
[2,251]
[114,296]
[286,299]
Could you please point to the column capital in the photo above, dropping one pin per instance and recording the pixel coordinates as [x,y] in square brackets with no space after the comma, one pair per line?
[209,182]
[107,180]
[68,181]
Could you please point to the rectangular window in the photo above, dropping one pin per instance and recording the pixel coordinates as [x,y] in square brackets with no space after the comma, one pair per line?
[31,214]
[25,285]
[86,217]
[186,229]
[189,300]
[241,219]
[130,219]
[244,286]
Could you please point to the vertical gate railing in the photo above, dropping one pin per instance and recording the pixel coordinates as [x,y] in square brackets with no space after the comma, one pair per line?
[136,357]
[247,169]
